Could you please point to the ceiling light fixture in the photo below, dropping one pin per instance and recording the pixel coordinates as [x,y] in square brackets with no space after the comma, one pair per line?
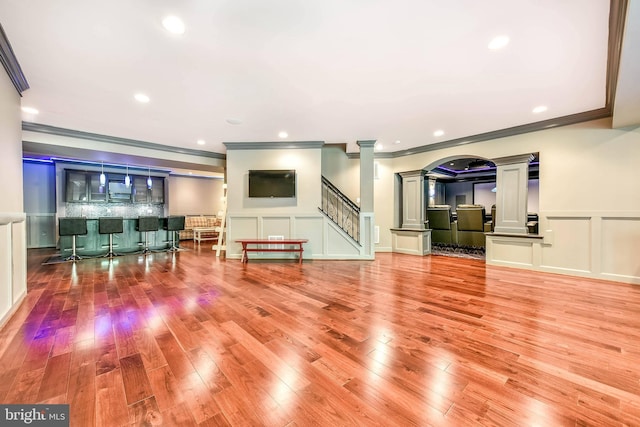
[141,97]
[398,141]
[149,182]
[127,179]
[30,110]
[498,42]
[439,132]
[173,24]
[539,109]
[378,146]
[103,178]
[201,142]
[283,135]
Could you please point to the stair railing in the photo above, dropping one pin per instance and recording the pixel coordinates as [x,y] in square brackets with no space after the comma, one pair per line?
[340,209]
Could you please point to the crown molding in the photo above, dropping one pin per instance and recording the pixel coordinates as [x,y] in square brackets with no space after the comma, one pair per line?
[273,145]
[11,64]
[617,19]
[70,133]
[572,119]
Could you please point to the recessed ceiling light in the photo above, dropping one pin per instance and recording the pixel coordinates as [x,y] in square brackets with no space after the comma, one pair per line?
[398,141]
[378,146]
[498,42]
[283,135]
[201,142]
[173,24]
[30,110]
[540,109]
[141,97]
[234,121]
[439,132]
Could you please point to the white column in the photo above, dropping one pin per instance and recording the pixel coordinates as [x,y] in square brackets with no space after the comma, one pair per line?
[366,175]
[367,219]
[413,200]
[512,178]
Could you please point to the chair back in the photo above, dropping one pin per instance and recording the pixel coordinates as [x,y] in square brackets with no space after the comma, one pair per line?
[110,225]
[148,223]
[72,226]
[470,217]
[175,223]
[439,217]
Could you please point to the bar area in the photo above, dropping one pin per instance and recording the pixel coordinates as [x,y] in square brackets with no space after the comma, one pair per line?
[132,239]
[109,212]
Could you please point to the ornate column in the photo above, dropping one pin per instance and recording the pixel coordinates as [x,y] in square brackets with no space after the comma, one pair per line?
[367,220]
[412,237]
[413,200]
[512,177]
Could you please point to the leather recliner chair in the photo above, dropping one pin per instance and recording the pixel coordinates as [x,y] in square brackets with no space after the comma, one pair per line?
[439,217]
[471,225]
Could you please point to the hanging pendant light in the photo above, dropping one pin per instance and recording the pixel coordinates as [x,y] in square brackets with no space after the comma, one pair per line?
[149,182]
[127,179]
[103,178]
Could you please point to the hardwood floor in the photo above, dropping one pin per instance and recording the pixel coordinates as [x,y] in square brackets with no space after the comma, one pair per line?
[191,339]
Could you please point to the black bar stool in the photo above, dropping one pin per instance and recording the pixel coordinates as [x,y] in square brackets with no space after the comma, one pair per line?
[72,226]
[146,224]
[174,224]
[110,226]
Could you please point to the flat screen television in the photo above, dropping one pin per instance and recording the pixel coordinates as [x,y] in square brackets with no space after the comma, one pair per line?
[272,183]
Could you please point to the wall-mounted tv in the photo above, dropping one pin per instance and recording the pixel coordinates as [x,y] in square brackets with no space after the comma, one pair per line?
[272,183]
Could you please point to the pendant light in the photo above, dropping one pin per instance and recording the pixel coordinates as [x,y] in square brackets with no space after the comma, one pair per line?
[149,182]
[103,178]
[127,179]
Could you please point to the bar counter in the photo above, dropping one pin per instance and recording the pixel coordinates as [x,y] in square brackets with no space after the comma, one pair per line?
[129,241]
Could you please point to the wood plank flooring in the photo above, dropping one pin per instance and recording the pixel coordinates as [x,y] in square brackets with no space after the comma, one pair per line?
[189,339]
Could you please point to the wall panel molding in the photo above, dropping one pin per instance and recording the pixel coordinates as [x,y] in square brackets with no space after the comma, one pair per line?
[596,244]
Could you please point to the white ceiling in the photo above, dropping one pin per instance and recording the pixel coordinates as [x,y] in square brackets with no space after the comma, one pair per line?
[324,70]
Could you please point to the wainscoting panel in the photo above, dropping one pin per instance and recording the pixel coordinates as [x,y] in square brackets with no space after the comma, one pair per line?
[620,254]
[510,251]
[572,244]
[338,245]
[601,245]
[326,240]
[13,263]
[277,226]
[6,297]
[310,227]
[19,261]
[240,227]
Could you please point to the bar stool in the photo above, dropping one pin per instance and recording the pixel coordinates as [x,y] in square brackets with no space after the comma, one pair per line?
[72,226]
[174,224]
[146,224]
[110,226]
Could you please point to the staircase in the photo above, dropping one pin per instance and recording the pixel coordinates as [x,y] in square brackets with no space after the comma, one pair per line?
[341,210]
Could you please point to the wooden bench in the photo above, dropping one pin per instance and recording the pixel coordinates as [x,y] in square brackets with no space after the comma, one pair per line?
[288,245]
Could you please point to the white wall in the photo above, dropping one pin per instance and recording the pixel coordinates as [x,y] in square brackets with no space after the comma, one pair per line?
[590,227]
[288,217]
[306,162]
[13,248]
[194,195]
[343,172]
